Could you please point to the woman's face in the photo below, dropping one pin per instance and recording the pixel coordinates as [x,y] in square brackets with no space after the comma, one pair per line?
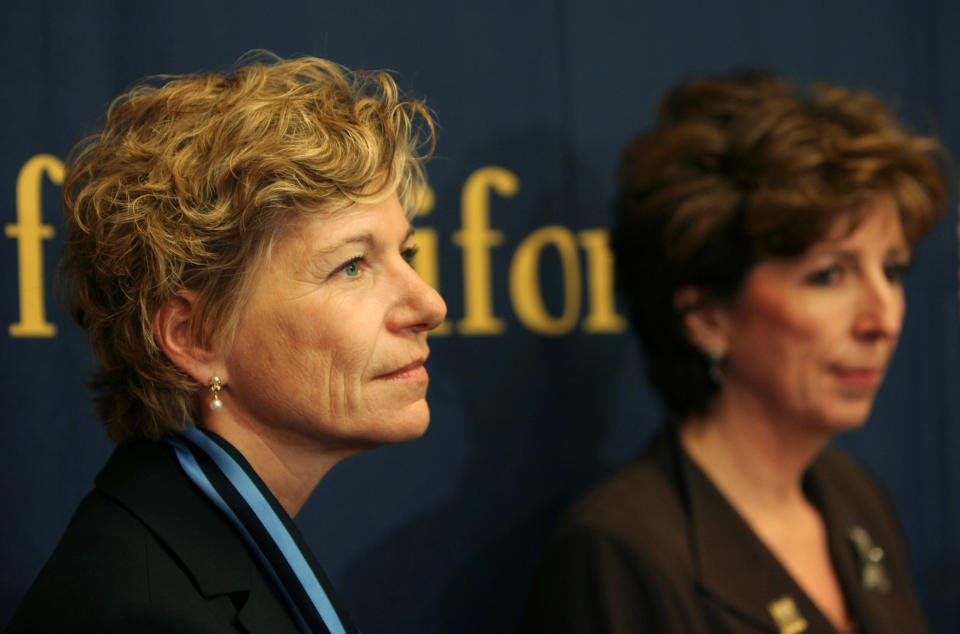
[809,337]
[330,347]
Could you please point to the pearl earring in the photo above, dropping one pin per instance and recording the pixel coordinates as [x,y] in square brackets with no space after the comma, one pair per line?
[215,386]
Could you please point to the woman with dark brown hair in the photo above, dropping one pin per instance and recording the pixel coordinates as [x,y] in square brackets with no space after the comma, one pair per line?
[760,243]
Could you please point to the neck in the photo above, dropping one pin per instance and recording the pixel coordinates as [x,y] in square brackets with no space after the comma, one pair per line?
[754,458]
[290,468]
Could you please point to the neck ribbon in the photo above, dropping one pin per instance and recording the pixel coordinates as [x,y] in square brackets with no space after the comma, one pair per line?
[228,480]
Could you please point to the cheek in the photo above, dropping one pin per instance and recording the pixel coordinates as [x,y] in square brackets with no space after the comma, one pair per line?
[820,328]
[796,326]
[287,342]
[283,351]
[777,337]
[340,359]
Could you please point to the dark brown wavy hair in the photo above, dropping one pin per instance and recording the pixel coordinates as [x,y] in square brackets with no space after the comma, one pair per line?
[740,168]
[189,183]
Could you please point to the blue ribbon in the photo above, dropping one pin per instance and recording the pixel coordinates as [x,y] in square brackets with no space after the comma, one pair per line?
[267,517]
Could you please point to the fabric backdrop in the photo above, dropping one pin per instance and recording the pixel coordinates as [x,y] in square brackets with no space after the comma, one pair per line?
[536,390]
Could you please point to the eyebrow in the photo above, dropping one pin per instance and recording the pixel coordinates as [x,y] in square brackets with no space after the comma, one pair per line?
[852,255]
[365,238]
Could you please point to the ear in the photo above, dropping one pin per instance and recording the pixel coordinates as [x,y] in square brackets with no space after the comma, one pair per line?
[173,332]
[706,322]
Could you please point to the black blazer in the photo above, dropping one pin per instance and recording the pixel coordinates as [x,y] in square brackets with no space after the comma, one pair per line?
[147,552]
[657,548]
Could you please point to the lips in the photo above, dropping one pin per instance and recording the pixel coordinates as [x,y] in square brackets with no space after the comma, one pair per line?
[412,370]
[858,378]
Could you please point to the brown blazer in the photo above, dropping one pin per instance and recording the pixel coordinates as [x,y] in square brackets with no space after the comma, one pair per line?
[657,548]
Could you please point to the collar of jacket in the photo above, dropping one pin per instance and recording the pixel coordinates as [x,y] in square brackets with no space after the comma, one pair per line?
[735,569]
[143,478]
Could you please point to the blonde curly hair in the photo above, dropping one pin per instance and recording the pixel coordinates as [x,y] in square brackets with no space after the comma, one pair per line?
[189,183]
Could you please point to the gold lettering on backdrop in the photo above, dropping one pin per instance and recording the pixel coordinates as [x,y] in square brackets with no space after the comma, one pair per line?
[476,238]
[30,232]
[525,289]
[601,308]
[425,262]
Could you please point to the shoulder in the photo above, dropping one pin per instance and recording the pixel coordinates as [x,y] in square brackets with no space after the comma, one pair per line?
[620,557]
[851,485]
[866,536]
[110,572]
[103,543]
[852,497]
[640,506]
[837,463]
[99,566]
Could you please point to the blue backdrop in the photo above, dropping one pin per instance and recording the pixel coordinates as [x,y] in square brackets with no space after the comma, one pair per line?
[536,389]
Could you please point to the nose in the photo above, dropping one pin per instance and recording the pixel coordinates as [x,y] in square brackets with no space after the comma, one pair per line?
[419,307]
[880,309]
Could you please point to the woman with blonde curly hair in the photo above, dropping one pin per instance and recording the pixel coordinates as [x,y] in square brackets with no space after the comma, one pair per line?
[760,242]
[238,251]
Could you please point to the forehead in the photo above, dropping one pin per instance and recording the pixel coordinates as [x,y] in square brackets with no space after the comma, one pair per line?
[384,221]
[877,224]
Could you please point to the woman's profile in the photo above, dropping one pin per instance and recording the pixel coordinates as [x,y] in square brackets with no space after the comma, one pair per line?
[238,251]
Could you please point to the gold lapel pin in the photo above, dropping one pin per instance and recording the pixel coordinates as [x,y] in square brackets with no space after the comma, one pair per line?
[787,616]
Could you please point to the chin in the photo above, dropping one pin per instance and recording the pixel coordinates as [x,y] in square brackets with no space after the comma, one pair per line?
[408,424]
[846,416]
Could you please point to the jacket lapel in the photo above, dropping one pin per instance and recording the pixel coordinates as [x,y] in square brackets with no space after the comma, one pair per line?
[734,569]
[737,571]
[143,478]
[262,612]
[863,571]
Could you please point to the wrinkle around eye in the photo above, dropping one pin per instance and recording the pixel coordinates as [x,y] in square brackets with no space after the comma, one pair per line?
[351,268]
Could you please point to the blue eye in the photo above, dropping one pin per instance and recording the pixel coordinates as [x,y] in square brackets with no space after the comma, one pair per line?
[352,268]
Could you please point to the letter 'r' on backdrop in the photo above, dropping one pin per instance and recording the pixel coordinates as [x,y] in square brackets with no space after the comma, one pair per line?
[536,390]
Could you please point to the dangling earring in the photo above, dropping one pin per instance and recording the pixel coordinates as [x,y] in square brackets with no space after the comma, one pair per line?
[215,386]
[715,357]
